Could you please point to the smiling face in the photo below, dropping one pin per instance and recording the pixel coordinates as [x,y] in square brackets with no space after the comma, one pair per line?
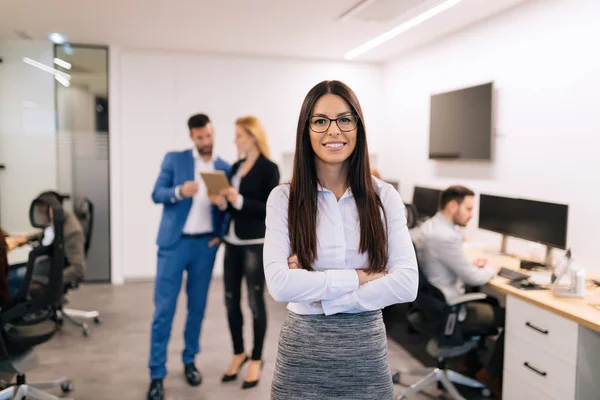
[332,145]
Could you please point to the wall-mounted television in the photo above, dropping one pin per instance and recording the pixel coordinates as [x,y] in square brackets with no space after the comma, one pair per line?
[460,124]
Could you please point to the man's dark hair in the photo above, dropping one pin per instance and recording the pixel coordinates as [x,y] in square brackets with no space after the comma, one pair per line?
[457,193]
[198,121]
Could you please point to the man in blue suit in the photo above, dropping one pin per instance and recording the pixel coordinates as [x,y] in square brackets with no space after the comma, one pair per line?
[190,231]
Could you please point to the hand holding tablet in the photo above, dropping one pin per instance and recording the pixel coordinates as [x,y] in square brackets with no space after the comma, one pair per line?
[215,181]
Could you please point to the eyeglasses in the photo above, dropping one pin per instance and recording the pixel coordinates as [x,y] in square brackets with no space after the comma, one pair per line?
[320,124]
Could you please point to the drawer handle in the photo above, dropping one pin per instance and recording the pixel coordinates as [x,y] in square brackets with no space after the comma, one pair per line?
[540,330]
[537,371]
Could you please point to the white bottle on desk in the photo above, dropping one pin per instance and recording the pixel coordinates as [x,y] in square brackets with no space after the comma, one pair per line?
[577,284]
[580,289]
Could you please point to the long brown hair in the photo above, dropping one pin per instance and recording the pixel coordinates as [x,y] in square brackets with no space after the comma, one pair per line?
[302,209]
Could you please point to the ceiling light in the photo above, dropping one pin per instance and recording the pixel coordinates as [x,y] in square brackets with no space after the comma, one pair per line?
[45,68]
[411,23]
[65,82]
[57,38]
[62,63]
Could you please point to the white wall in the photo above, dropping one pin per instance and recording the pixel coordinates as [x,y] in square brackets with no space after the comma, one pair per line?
[544,61]
[27,131]
[76,118]
[153,94]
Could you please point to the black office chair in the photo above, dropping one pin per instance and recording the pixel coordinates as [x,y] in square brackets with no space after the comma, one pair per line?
[412,215]
[28,319]
[440,320]
[84,211]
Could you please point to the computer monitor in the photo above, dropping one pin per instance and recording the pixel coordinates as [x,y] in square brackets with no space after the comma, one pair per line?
[426,200]
[532,220]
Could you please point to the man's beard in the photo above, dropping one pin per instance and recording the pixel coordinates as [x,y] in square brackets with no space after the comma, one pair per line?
[205,151]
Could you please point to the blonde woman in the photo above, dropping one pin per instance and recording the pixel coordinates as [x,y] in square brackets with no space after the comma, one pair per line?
[252,178]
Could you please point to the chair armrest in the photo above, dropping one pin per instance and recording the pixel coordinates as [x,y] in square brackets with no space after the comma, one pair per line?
[466,298]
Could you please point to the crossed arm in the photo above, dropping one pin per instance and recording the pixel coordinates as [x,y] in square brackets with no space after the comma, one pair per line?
[339,290]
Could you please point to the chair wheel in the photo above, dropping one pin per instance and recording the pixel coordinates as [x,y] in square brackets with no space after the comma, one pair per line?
[485,392]
[66,387]
[85,330]
[396,378]
[97,320]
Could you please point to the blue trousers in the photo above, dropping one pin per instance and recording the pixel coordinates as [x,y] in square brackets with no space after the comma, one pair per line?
[16,276]
[197,259]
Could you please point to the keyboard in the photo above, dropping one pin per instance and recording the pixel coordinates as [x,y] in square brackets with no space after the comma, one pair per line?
[512,274]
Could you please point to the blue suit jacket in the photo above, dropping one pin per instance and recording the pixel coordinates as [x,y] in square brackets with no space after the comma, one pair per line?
[178,167]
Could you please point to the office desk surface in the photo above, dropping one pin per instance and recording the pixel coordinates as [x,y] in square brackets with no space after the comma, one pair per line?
[575,309]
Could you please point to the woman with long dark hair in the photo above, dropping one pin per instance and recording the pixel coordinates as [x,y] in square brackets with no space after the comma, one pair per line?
[338,250]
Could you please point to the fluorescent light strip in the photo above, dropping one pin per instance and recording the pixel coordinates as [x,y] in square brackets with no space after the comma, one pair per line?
[411,23]
[62,63]
[45,68]
[64,81]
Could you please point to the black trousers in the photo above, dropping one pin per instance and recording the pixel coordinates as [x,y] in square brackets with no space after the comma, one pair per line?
[484,314]
[245,261]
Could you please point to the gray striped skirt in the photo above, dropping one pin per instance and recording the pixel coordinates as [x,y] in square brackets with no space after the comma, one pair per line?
[342,356]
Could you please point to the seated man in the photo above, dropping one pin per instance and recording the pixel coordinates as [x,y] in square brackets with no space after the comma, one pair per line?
[446,266]
[74,240]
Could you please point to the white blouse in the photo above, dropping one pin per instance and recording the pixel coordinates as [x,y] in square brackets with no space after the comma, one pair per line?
[334,281]
[231,237]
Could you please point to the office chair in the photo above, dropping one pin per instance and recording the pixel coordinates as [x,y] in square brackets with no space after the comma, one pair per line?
[28,319]
[84,210]
[412,215]
[440,320]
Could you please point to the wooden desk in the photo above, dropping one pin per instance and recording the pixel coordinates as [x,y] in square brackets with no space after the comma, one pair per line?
[551,343]
[574,309]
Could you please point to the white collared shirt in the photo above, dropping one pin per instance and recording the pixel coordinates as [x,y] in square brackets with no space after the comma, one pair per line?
[199,218]
[48,237]
[443,259]
[231,237]
[334,281]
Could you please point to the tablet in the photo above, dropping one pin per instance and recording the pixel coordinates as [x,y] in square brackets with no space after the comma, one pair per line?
[215,181]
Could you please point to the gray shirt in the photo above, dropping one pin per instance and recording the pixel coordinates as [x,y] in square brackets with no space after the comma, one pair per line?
[74,241]
[442,258]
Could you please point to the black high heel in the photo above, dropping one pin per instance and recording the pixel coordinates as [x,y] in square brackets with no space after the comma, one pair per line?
[233,377]
[251,384]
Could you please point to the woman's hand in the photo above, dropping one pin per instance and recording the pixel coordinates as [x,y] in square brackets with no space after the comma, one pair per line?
[365,277]
[293,262]
[218,200]
[231,194]
[14,242]
[11,243]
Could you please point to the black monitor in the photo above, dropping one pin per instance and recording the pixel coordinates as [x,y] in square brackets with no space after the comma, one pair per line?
[460,124]
[426,200]
[532,220]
